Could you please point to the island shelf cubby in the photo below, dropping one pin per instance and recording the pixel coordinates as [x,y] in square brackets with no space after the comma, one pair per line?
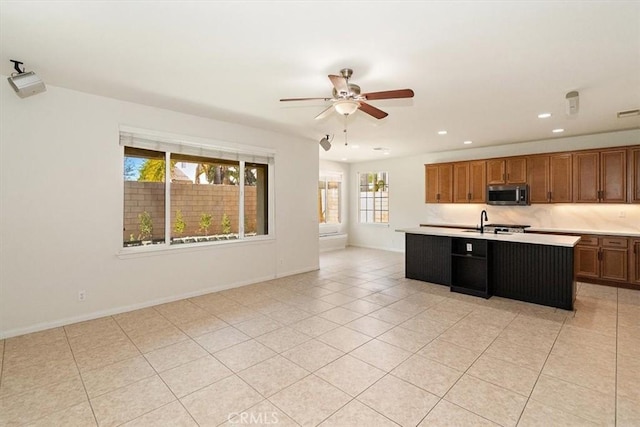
[470,267]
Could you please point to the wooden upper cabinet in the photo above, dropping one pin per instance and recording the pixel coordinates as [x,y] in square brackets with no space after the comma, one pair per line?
[549,178]
[586,177]
[600,176]
[461,182]
[516,170]
[560,178]
[439,183]
[469,182]
[512,170]
[478,181]
[496,172]
[634,175]
[538,168]
[613,176]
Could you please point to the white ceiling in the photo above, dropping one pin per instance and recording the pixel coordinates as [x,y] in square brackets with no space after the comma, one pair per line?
[480,70]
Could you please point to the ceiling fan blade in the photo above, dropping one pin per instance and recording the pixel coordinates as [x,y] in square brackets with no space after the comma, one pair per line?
[325,112]
[372,111]
[305,99]
[340,83]
[389,94]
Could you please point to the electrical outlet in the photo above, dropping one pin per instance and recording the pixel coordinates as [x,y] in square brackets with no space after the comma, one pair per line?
[82,295]
[622,214]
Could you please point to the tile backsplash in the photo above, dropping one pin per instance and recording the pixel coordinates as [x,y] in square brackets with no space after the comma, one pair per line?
[563,217]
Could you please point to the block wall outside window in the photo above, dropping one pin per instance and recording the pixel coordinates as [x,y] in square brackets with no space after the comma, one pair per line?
[210,199]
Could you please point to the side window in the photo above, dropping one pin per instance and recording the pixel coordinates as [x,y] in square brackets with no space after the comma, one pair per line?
[373,200]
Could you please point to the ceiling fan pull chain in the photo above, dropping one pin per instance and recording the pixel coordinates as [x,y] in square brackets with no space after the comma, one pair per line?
[345,131]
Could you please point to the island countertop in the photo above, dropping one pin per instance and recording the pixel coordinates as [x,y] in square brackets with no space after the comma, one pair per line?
[532,238]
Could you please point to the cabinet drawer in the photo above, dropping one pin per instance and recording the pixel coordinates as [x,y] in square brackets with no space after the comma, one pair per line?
[614,242]
[588,241]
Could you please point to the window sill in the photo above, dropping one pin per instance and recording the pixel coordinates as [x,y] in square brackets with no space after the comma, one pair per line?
[374,224]
[164,249]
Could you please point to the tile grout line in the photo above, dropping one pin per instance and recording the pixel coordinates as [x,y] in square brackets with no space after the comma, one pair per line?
[84,387]
[541,369]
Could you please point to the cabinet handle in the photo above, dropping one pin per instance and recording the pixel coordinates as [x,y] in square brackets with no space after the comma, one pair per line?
[469,196]
[614,243]
[438,196]
[549,196]
[599,254]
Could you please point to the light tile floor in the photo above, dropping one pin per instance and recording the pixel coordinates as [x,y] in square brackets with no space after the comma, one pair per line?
[353,344]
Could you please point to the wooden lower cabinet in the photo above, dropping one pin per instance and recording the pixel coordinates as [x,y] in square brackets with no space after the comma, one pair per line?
[602,257]
[634,261]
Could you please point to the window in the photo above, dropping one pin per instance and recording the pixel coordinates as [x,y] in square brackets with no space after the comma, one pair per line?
[373,207]
[212,194]
[329,195]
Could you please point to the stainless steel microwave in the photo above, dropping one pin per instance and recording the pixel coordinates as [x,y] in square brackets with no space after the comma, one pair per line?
[508,195]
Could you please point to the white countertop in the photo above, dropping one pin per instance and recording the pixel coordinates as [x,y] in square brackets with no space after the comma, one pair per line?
[536,239]
[583,232]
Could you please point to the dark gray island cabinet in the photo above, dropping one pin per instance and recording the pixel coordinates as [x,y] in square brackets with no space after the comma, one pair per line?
[534,268]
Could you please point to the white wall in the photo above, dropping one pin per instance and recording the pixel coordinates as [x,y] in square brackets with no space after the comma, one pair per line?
[61,164]
[408,209]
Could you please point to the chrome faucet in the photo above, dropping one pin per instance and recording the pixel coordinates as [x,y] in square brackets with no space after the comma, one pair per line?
[483,217]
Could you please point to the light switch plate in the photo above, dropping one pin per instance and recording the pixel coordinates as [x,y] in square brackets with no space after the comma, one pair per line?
[469,247]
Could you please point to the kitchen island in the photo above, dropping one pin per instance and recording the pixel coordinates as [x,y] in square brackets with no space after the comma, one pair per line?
[535,268]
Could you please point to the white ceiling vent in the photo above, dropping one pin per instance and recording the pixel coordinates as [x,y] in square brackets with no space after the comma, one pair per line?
[628,113]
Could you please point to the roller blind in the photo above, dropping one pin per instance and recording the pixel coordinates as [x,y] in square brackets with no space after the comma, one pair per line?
[187,148]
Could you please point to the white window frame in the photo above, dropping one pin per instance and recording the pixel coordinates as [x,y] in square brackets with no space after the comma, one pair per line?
[178,144]
[335,177]
[359,200]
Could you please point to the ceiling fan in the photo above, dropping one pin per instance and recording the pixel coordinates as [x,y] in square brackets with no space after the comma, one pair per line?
[347,97]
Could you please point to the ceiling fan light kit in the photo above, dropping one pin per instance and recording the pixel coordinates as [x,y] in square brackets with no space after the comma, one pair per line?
[346,107]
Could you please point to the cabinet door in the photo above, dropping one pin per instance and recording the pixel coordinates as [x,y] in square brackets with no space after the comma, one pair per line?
[586,177]
[614,264]
[538,172]
[613,176]
[516,168]
[445,180]
[461,183]
[587,262]
[431,183]
[496,172]
[478,181]
[634,261]
[634,175]
[560,178]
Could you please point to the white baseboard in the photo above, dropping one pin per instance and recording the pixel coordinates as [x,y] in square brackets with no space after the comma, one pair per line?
[381,248]
[333,242]
[123,309]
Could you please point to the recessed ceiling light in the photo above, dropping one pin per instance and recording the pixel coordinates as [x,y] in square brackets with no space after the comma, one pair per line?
[544,115]
[558,130]
[442,132]
[344,159]
[354,146]
[386,153]
[468,142]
